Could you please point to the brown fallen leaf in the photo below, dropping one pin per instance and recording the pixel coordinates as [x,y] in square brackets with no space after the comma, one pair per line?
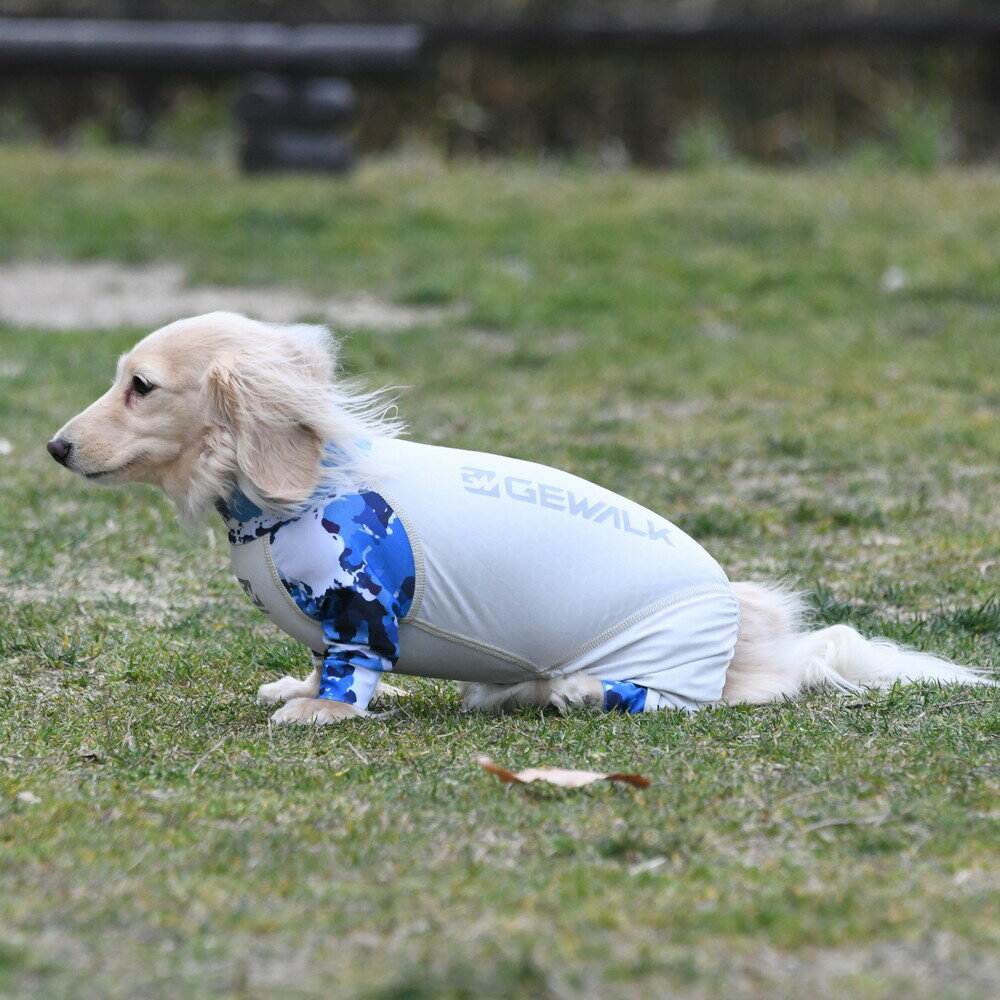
[561,776]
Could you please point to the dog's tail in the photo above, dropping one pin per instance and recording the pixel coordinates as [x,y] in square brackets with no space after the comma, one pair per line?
[777,658]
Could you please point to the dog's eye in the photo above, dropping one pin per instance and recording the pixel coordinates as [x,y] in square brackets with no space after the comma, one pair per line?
[141,387]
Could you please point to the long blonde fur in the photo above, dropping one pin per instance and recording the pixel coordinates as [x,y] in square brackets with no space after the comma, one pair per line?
[235,403]
[777,656]
[282,402]
[272,409]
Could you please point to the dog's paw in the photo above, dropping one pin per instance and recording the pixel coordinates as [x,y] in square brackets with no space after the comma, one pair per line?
[314,711]
[283,690]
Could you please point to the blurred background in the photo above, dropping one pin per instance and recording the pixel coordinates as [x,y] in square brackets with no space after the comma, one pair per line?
[658,83]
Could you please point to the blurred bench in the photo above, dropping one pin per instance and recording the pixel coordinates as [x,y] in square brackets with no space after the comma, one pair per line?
[294,117]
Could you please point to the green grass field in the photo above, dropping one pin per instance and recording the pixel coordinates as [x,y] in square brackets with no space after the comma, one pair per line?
[716,345]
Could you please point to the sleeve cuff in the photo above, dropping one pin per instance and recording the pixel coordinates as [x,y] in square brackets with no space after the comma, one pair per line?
[623,696]
[354,685]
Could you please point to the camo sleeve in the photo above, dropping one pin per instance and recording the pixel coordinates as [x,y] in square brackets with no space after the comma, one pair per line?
[362,642]
[349,566]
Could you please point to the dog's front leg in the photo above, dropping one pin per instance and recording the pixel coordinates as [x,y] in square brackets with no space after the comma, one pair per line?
[348,678]
[291,687]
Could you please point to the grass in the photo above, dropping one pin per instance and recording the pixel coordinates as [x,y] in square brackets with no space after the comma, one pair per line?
[715,345]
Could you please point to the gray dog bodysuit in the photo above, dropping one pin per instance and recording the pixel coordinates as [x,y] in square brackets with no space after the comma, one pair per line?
[474,567]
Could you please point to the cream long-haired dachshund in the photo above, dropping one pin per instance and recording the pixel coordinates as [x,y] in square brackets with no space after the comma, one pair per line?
[530,586]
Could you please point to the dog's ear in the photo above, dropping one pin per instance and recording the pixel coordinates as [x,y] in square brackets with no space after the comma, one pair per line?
[270,410]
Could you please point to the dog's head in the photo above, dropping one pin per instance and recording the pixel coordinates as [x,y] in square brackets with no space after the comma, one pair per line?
[215,402]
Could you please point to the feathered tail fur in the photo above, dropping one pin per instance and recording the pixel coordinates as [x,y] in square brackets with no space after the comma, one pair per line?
[776,657]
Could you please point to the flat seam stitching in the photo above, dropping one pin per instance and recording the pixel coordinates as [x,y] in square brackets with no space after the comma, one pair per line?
[481,647]
[638,616]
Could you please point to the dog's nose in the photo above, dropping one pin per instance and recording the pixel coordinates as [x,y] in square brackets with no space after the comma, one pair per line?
[59,449]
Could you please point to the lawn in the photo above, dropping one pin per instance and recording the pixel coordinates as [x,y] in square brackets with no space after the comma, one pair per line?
[722,346]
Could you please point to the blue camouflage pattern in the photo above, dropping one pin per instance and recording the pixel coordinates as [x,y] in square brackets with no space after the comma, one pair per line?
[623,696]
[361,618]
[368,579]
[245,521]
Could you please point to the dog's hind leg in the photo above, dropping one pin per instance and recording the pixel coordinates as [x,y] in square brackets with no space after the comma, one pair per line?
[562,694]
[291,687]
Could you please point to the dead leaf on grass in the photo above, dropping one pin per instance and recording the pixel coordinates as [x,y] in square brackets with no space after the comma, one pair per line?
[561,776]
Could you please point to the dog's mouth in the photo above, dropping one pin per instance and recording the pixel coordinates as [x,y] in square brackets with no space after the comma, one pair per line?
[111,472]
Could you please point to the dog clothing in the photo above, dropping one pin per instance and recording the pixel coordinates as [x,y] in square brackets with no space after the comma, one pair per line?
[474,567]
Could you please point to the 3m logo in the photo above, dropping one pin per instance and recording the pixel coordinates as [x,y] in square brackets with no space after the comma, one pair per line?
[480,481]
